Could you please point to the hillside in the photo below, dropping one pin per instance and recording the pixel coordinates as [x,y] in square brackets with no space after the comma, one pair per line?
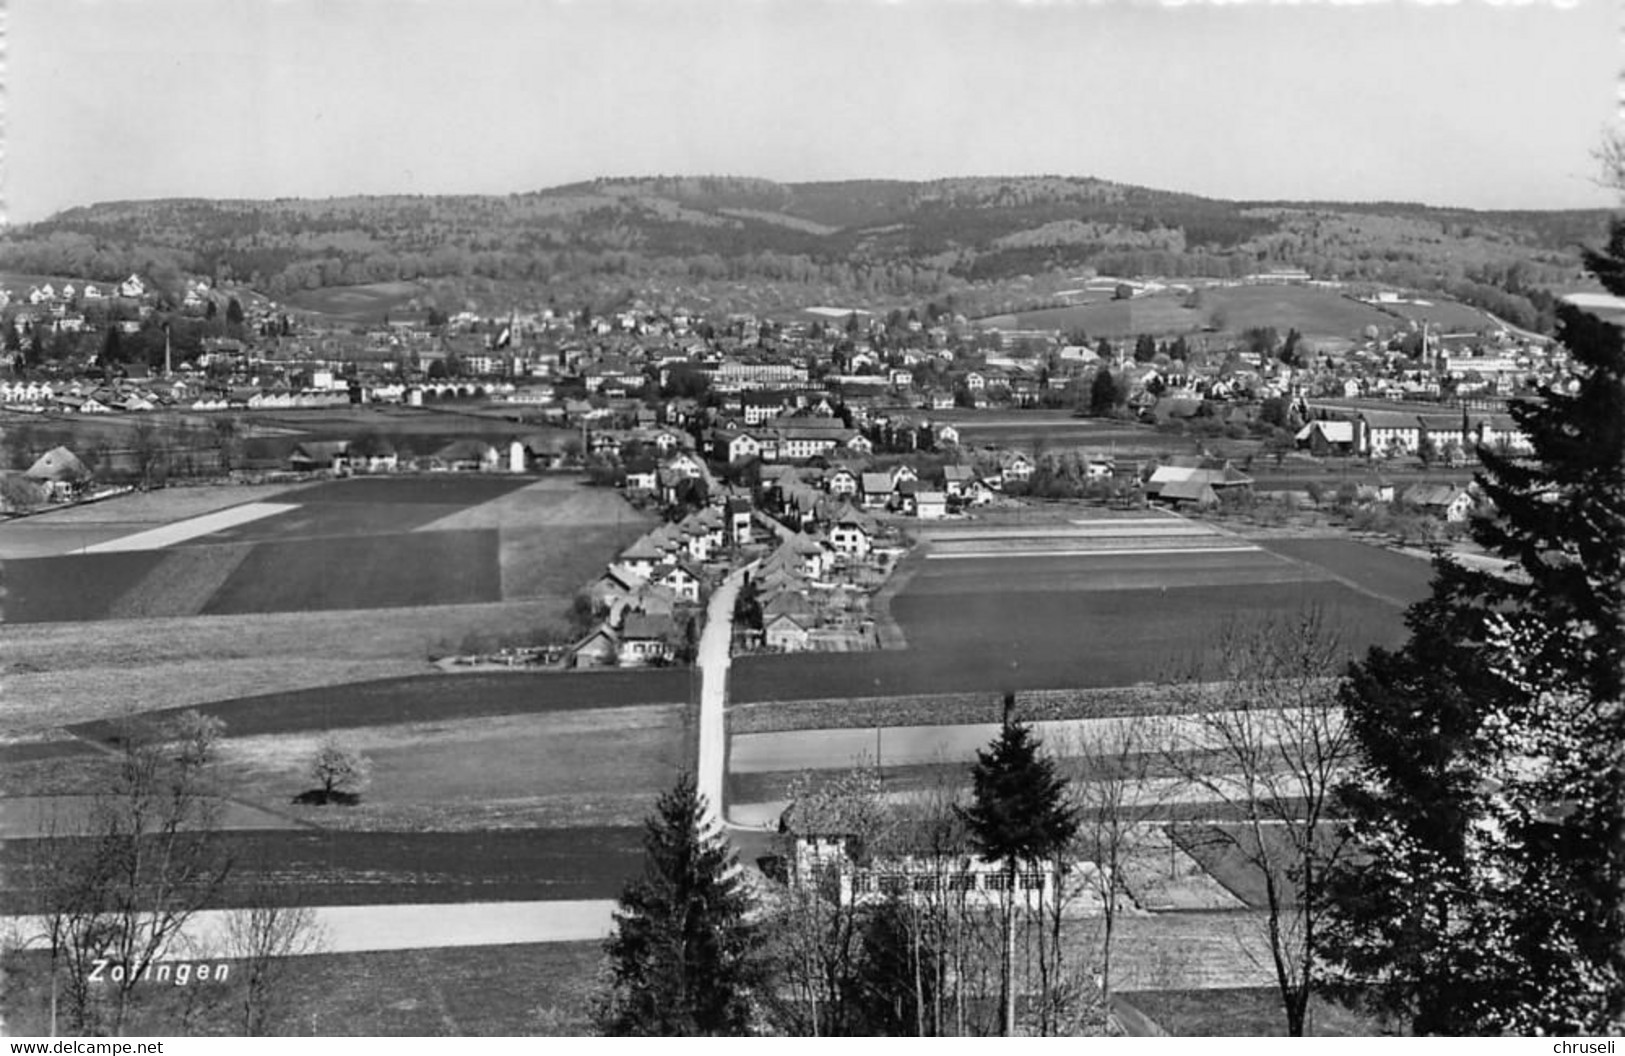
[993,243]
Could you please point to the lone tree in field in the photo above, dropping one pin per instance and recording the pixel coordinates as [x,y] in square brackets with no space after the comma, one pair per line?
[1489,807]
[683,960]
[341,773]
[1019,814]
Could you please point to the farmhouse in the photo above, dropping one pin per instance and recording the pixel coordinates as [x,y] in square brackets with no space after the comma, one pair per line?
[1199,484]
[1327,437]
[1444,500]
[467,456]
[59,472]
[646,639]
[787,633]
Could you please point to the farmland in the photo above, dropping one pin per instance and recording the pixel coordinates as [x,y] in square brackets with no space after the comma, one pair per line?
[1313,311]
[1163,314]
[467,539]
[298,622]
[1450,316]
[368,303]
[331,867]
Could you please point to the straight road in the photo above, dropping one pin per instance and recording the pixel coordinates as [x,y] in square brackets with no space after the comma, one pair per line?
[362,929]
[716,642]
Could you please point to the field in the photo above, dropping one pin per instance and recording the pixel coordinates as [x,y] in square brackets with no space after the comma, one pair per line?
[342,868]
[557,769]
[1157,315]
[320,617]
[1025,429]
[492,991]
[1450,316]
[361,304]
[468,539]
[1312,311]
[1242,1012]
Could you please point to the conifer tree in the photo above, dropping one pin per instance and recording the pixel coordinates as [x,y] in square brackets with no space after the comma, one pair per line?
[683,959]
[1019,814]
[1490,805]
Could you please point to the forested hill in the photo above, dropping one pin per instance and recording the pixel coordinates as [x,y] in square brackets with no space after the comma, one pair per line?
[871,238]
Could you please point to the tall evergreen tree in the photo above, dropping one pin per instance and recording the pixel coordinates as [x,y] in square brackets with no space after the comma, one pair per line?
[1019,814]
[1491,800]
[1102,393]
[683,959]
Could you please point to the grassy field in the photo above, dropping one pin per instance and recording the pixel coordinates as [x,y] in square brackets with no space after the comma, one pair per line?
[1451,316]
[1313,312]
[1402,579]
[368,303]
[71,587]
[435,698]
[551,769]
[57,673]
[1247,1012]
[1228,854]
[1016,638]
[1157,315]
[343,868]
[491,991]
[371,572]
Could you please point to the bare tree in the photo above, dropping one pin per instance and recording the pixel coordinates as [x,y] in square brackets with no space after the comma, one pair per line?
[1262,737]
[820,921]
[150,450]
[262,938]
[116,893]
[1114,780]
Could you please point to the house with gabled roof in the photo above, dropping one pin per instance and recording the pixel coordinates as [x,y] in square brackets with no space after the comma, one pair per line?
[841,481]
[853,534]
[468,456]
[615,584]
[600,648]
[60,472]
[681,578]
[955,479]
[786,632]
[646,639]
[1443,500]
[801,554]
[876,490]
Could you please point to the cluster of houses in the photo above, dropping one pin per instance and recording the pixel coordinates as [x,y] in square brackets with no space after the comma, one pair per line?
[651,597]
[122,395]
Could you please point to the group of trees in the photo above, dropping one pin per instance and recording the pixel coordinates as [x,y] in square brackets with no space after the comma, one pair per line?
[1489,803]
[695,953]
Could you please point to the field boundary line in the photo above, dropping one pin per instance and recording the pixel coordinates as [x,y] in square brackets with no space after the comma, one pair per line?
[983,555]
[1357,587]
[193,528]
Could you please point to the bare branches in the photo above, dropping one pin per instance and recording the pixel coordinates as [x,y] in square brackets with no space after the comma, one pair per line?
[1259,736]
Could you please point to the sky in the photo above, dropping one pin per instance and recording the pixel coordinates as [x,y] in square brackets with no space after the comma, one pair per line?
[1450,102]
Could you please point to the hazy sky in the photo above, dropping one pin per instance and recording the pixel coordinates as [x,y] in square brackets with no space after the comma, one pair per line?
[1490,105]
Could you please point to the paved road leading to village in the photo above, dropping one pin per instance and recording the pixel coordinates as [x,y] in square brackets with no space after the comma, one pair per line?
[713,660]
